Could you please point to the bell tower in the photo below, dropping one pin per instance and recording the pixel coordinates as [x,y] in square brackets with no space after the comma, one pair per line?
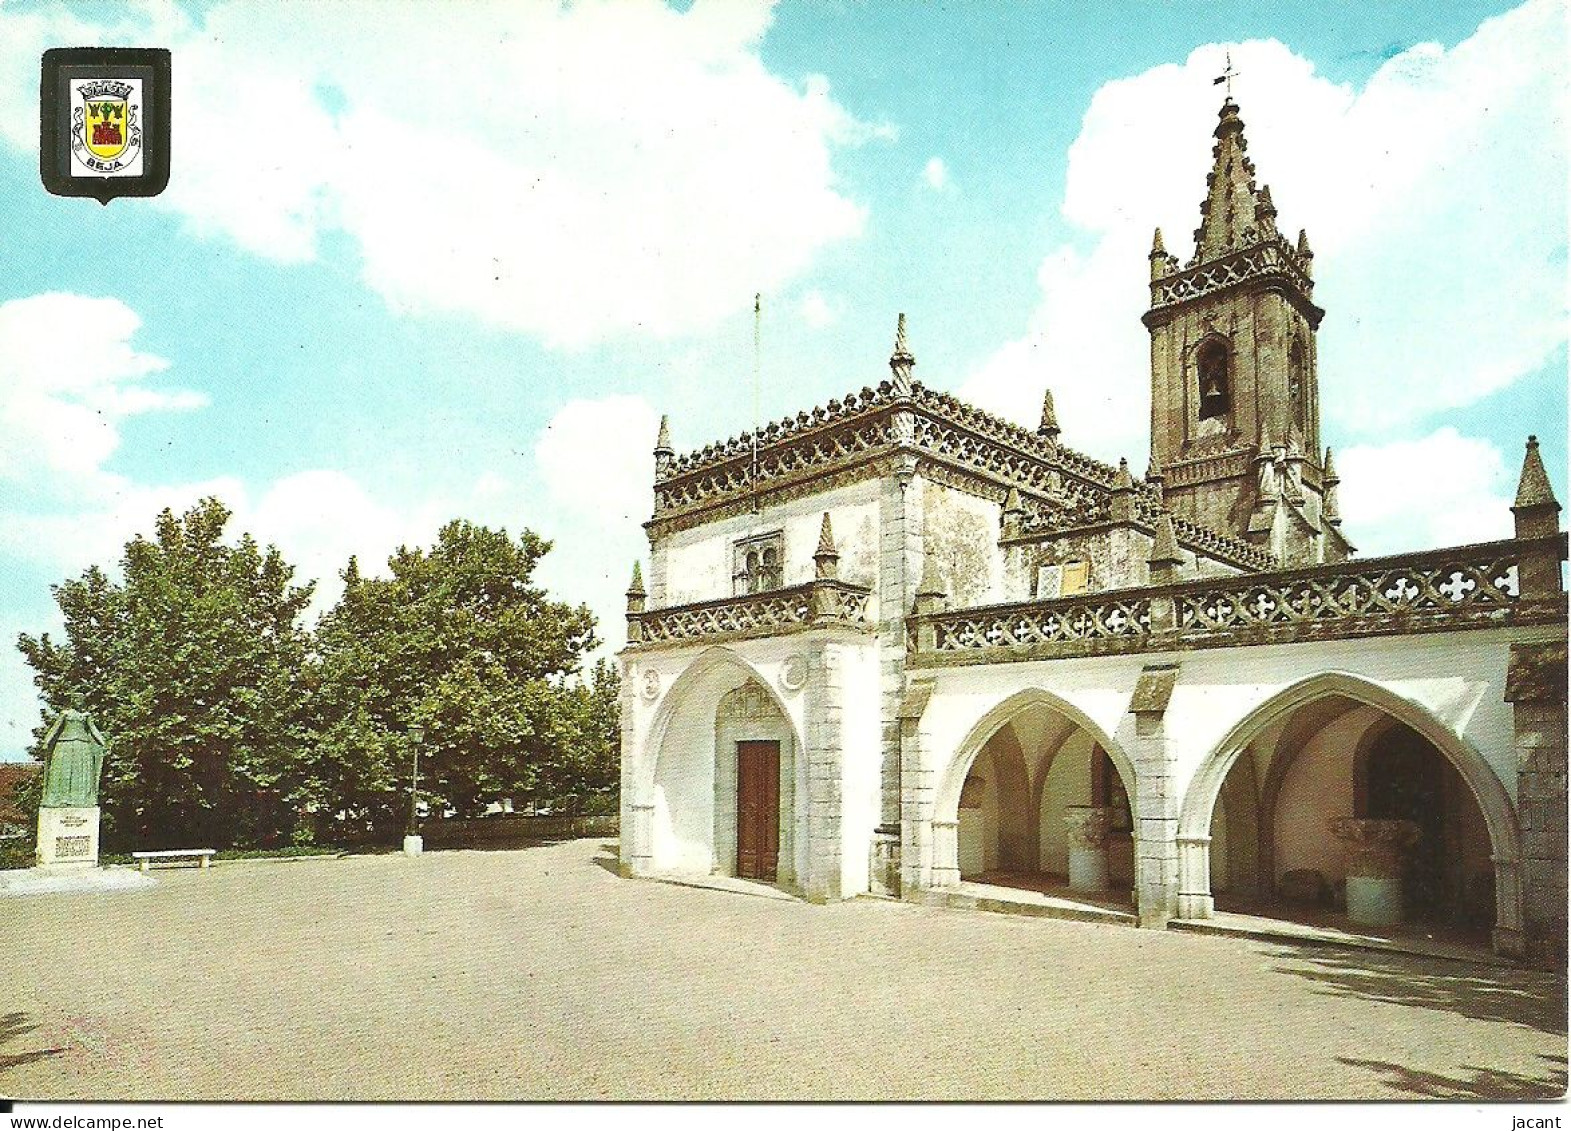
[1235,392]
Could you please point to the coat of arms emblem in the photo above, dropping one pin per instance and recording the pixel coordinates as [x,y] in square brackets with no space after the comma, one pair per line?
[104,118]
[106,136]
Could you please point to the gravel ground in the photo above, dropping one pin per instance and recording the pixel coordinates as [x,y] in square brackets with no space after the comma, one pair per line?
[538,974]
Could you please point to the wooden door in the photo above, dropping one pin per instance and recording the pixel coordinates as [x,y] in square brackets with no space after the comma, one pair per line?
[757,809]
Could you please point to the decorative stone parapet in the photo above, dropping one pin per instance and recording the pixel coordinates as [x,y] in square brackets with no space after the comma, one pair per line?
[1272,258]
[1436,591]
[1377,852]
[1086,827]
[780,611]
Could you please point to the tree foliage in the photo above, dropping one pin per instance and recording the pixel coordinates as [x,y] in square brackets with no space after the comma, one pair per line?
[232,723]
[460,641]
[194,664]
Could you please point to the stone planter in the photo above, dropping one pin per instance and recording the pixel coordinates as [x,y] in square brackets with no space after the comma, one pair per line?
[1377,853]
[1086,827]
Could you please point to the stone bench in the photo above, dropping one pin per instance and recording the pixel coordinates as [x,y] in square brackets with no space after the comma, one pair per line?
[204,855]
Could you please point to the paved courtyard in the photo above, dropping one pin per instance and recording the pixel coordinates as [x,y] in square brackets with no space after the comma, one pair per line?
[539,974]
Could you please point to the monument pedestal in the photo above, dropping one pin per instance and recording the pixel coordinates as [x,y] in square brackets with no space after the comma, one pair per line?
[67,837]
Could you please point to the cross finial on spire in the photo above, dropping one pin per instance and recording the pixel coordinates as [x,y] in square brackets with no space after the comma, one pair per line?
[1227,76]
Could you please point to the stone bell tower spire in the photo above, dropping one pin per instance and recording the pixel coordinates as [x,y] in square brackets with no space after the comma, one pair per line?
[1234,365]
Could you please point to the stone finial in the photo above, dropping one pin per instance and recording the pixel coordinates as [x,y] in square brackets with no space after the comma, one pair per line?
[826,559]
[1533,489]
[1165,557]
[1123,490]
[635,606]
[1048,429]
[1306,257]
[1162,264]
[1329,479]
[901,361]
[665,455]
[1014,511]
[1536,509]
[1265,207]
[1156,480]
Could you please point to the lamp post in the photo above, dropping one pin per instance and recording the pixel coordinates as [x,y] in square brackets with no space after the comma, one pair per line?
[413,843]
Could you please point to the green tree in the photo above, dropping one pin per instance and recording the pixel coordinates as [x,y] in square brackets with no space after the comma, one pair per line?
[193,668]
[461,641]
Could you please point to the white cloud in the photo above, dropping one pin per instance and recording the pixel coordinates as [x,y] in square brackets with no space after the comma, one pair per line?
[1434,199]
[818,311]
[1443,490]
[68,377]
[595,460]
[936,174]
[571,172]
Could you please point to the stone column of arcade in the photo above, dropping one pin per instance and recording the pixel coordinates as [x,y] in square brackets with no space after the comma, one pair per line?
[1377,853]
[1086,826]
[68,811]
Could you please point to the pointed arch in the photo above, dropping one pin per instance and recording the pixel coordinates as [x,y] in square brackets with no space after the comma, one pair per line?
[712,662]
[953,775]
[1494,803]
[685,780]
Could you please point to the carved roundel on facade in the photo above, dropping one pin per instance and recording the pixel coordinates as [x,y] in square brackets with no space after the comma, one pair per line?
[793,673]
[651,685]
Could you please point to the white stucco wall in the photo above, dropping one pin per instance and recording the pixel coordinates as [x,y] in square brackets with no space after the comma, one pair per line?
[1068,783]
[1318,787]
[698,562]
[861,764]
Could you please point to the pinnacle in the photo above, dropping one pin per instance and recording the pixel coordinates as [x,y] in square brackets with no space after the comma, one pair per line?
[1122,481]
[1329,471]
[1049,425]
[1303,243]
[826,540]
[1156,244]
[1164,549]
[663,440]
[1233,207]
[1534,490]
[1012,503]
[637,584]
[902,361]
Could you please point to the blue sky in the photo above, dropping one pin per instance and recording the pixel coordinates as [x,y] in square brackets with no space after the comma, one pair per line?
[416,263]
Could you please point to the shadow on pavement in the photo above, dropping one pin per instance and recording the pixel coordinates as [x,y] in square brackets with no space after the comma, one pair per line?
[13,1025]
[1484,1084]
[1535,998]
